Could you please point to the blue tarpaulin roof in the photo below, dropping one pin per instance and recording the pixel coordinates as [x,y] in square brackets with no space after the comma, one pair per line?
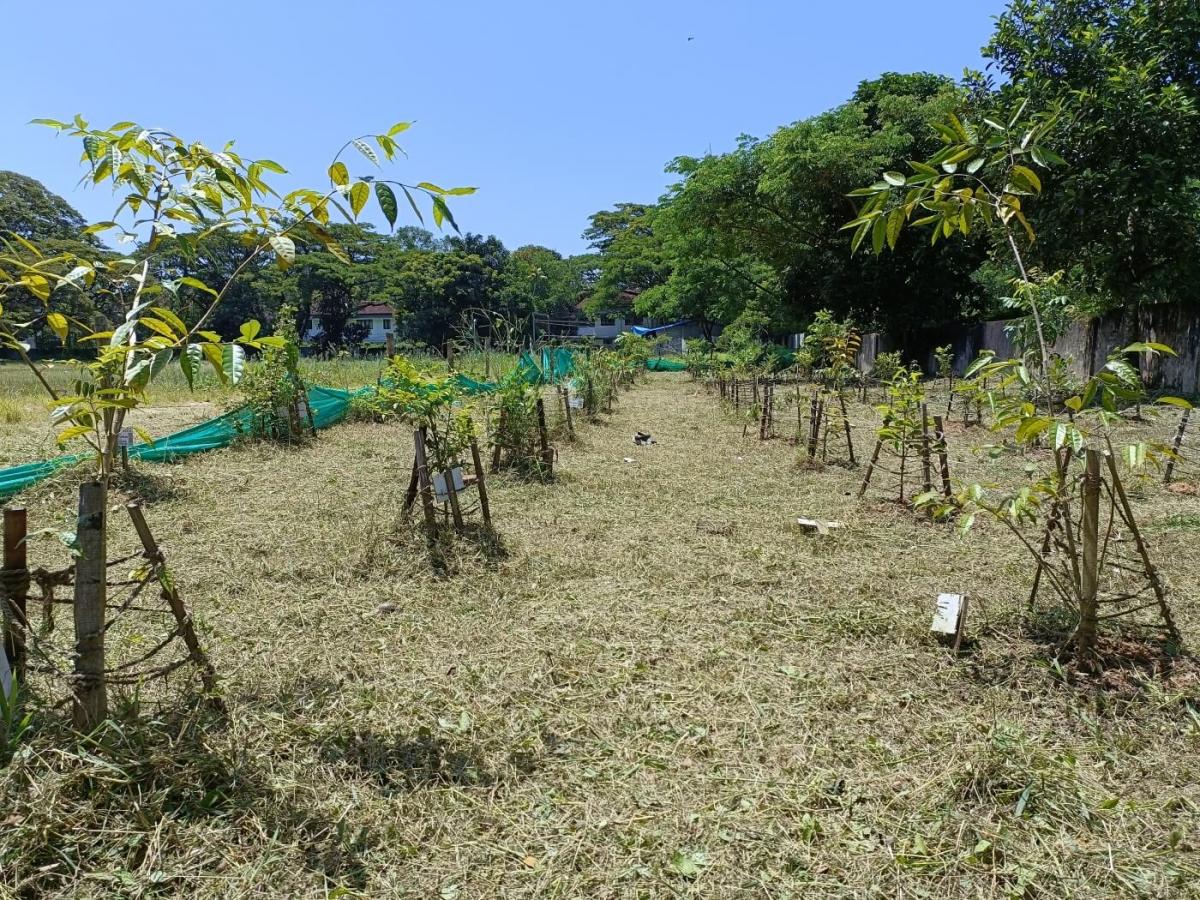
[642,331]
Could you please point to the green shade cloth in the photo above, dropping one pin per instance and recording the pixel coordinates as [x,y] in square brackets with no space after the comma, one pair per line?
[664,364]
[328,407]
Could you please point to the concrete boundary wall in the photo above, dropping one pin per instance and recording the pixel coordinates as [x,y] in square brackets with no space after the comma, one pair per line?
[1086,344]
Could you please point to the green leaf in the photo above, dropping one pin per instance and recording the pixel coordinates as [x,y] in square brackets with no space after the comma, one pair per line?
[359,194]
[233,361]
[442,212]
[895,179]
[688,864]
[413,203]
[398,128]
[197,284]
[73,432]
[250,330]
[170,318]
[271,166]
[878,234]
[36,285]
[387,202]
[895,222]
[189,363]
[365,149]
[58,324]
[339,174]
[1174,401]
[285,249]
[1030,177]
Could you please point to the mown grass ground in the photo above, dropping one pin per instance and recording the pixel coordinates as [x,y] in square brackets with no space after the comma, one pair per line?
[654,686]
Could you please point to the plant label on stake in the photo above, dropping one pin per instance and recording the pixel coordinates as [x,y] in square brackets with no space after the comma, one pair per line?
[439,484]
[949,616]
[6,682]
[125,438]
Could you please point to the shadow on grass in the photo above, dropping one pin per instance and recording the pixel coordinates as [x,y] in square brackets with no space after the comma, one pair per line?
[407,762]
[148,486]
[119,797]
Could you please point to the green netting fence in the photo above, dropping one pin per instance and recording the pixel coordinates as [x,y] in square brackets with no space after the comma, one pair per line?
[327,405]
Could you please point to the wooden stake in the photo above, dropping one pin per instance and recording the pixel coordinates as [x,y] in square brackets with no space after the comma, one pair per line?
[187,630]
[846,426]
[1089,572]
[544,438]
[939,434]
[410,495]
[484,508]
[1151,573]
[874,459]
[91,591]
[424,483]
[455,509]
[14,582]
[390,340]
[814,425]
[566,401]
[926,459]
[497,448]
[1183,424]
[764,422]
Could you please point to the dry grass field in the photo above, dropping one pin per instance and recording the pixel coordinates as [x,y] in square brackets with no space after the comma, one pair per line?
[651,684]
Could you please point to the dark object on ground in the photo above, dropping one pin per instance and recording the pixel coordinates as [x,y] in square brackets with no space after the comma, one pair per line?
[642,439]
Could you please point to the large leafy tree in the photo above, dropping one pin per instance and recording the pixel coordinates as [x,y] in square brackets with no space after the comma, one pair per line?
[31,212]
[633,255]
[28,209]
[1124,215]
[755,230]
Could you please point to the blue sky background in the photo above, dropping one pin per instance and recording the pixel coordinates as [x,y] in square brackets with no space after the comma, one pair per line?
[554,110]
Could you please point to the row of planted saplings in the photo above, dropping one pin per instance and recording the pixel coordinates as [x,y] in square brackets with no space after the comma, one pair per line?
[447,456]
[909,439]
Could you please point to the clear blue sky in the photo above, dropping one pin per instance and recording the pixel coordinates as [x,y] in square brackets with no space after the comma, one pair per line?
[553,109]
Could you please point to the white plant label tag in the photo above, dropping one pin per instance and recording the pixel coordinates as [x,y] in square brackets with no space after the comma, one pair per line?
[576,403]
[6,684]
[945,617]
[125,437]
[439,484]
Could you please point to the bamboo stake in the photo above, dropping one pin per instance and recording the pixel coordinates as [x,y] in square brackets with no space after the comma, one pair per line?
[765,418]
[484,508]
[14,581]
[425,487]
[544,438]
[814,424]
[1183,424]
[846,426]
[410,495]
[187,630]
[566,401]
[874,459]
[452,494]
[1089,574]
[926,460]
[1151,572]
[939,432]
[497,448]
[91,571]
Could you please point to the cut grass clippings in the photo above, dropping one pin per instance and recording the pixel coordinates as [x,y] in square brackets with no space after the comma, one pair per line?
[654,685]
